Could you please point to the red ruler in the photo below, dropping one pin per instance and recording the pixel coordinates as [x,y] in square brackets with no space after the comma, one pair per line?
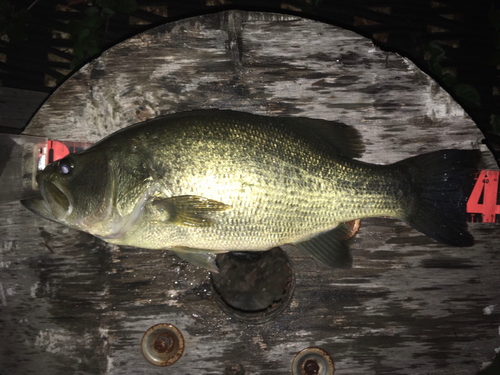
[22,157]
[483,205]
[56,150]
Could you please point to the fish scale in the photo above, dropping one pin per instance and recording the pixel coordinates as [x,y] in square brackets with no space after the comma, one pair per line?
[214,181]
[280,190]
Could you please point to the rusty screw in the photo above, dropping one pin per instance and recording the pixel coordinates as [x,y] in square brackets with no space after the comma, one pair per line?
[162,345]
[235,369]
[311,367]
[313,361]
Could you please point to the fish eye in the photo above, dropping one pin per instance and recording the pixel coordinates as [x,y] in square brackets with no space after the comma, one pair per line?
[65,166]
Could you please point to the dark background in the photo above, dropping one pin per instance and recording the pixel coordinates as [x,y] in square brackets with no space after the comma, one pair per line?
[457,42]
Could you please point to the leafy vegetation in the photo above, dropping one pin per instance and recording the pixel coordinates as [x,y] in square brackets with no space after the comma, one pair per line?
[13,22]
[494,19]
[465,93]
[86,33]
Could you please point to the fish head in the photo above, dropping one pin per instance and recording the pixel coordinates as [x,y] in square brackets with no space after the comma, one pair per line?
[76,191]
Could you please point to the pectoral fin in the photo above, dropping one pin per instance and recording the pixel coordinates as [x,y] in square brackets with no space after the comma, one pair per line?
[190,210]
[198,258]
[330,248]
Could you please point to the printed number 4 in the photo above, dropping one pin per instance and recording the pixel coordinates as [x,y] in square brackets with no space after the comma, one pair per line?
[487,186]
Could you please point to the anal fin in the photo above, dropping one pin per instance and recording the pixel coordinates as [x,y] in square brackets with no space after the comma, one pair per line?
[198,258]
[330,248]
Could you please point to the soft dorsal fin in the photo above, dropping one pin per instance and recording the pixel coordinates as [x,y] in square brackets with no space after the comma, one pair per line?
[344,139]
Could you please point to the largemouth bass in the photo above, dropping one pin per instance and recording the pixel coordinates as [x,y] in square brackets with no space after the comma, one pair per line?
[205,182]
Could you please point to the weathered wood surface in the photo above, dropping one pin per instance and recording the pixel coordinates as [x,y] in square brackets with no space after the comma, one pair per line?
[70,303]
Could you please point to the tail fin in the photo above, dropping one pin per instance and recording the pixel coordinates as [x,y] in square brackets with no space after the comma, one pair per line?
[440,182]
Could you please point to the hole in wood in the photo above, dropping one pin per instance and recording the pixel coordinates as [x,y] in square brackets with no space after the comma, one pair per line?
[253,287]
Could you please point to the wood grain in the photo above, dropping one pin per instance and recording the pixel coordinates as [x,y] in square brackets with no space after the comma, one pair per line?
[69,303]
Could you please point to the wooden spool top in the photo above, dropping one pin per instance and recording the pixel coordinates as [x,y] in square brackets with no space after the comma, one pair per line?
[408,305]
[261,63]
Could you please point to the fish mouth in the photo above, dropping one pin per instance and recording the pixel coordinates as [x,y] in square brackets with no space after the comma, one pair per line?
[39,207]
[58,198]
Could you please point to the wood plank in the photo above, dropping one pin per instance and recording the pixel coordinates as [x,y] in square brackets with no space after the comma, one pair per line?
[71,303]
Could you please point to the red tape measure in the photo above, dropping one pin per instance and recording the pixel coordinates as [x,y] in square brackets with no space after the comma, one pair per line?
[483,205]
[56,150]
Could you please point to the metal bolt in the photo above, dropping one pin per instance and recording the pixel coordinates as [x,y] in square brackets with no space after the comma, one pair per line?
[311,367]
[313,361]
[235,369]
[162,345]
